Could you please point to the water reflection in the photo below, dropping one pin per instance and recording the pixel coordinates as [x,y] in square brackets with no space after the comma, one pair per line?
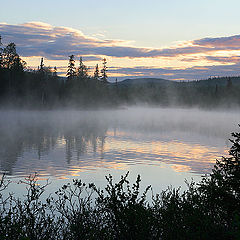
[64,143]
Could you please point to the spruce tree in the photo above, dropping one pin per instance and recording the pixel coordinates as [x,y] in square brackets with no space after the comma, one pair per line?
[96,73]
[55,71]
[41,65]
[1,52]
[18,64]
[9,55]
[104,71]
[82,70]
[71,72]
[9,58]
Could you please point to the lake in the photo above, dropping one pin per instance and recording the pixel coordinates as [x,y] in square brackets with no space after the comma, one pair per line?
[164,145]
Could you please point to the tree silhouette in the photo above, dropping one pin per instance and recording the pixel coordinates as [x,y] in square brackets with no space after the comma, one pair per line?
[222,189]
[1,52]
[55,71]
[96,73]
[18,65]
[41,65]
[71,71]
[82,70]
[104,71]
[9,55]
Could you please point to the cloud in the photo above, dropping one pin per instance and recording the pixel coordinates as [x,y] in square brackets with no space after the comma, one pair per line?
[42,39]
[231,42]
[193,73]
[57,43]
[221,59]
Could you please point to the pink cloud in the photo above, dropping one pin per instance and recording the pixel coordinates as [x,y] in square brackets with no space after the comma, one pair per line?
[36,38]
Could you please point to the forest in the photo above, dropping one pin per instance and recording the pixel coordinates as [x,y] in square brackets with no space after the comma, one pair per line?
[22,87]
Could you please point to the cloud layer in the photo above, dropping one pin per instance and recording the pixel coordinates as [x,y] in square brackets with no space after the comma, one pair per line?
[57,43]
[193,73]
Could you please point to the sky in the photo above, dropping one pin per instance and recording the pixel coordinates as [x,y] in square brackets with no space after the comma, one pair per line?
[174,39]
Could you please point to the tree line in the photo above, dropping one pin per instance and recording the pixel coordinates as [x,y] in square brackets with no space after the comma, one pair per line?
[43,88]
[22,86]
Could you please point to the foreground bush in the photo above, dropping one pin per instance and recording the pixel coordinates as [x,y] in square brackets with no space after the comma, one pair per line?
[207,210]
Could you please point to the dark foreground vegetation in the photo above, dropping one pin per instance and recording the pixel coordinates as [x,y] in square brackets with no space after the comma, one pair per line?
[206,210]
[22,87]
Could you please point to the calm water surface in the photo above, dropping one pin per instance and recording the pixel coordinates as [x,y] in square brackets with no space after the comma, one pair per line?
[165,146]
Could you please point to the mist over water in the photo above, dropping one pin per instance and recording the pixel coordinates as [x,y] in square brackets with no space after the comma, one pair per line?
[164,145]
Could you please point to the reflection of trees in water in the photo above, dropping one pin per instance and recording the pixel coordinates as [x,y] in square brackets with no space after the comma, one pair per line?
[41,137]
[16,139]
[10,150]
[79,132]
[84,137]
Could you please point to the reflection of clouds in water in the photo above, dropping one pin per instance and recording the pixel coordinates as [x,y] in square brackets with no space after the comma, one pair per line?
[180,168]
[198,158]
[119,153]
[64,143]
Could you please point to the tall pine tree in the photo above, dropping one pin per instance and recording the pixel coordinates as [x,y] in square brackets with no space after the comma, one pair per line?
[1,52]
[82,70]
[9,55]
[55,72]
[104,71]
[71,71]
[41,69]
[96,73]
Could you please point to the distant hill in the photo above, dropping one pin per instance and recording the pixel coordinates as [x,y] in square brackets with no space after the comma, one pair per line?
[130,82]
[221,81]
[143,81]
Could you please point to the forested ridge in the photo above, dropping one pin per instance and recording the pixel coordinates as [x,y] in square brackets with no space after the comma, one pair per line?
[23,87]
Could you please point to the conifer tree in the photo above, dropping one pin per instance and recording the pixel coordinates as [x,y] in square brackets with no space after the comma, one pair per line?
[82,70]
[10,59]
[1,52]
[41,65]
[55,71]
[18,64]
[96,73]
[104,71]
[71,72]
[9,54]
